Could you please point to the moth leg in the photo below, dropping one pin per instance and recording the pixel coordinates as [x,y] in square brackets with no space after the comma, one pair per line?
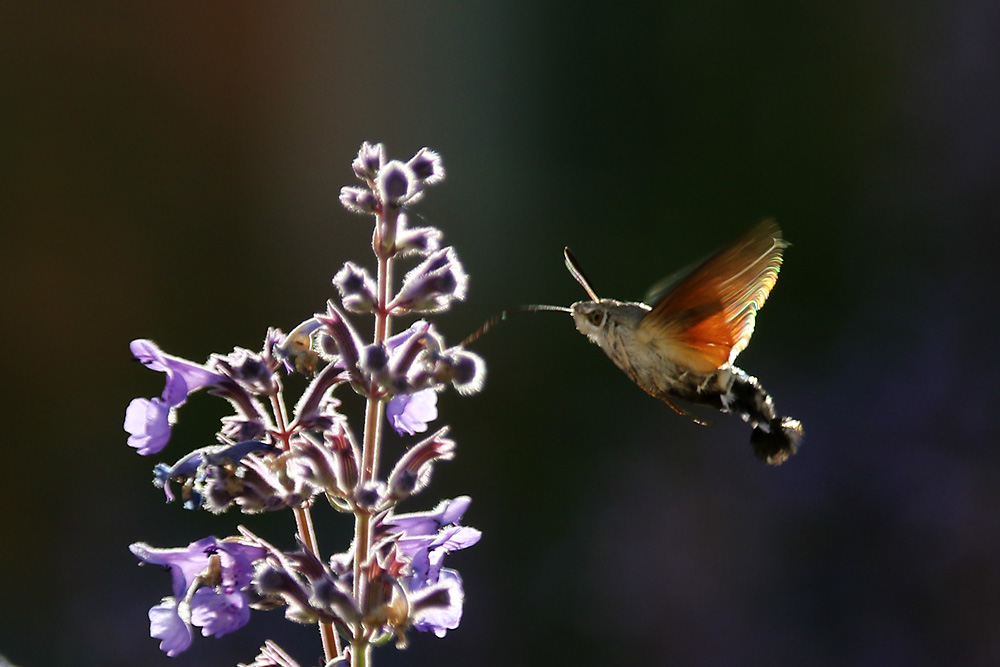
[682,412]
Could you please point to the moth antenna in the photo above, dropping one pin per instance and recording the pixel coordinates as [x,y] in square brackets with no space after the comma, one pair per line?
[504,314]
[577,272]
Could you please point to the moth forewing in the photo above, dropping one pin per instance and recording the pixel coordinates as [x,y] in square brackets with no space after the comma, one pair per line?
[708,317]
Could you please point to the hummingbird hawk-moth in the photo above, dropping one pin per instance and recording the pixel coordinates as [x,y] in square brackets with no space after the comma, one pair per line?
[683,345]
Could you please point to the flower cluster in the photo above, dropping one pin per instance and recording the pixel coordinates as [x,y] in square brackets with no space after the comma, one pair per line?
[270,456]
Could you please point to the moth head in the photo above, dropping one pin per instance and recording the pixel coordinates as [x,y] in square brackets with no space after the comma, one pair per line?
[591,317]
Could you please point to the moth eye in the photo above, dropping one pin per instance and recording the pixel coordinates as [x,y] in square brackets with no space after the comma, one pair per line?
[596,318]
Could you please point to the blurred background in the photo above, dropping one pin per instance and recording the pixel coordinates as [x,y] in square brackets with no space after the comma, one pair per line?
[171,170]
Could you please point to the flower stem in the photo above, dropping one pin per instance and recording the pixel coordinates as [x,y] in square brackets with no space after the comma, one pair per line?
[374,414]
[304,526]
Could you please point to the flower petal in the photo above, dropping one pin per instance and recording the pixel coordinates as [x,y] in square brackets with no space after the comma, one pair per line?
[409,413]
[183,376]
[166,624]
[218,613]
[148,424]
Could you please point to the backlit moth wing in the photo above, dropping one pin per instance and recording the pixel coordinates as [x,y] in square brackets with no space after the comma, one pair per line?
[708,317]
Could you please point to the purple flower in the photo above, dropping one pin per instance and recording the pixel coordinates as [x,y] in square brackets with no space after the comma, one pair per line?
[208,579]
[427,552]
[409,413]
[166,624]
[438,608]
[428,523]
[394,344]
[183,376]
[218,613]
[148,421]
[435,592]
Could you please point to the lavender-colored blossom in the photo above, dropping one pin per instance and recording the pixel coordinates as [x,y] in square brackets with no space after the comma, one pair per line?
[427,552]
[428,523]
[166,624]
[405,351]
[396,341]
[438,607]
[409,413]
[392,578]
[183,376]
[424,539]
[208,577]
[148,423]
[218,613]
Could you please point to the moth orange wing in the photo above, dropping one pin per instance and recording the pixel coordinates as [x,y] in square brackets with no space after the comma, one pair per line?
[708,317]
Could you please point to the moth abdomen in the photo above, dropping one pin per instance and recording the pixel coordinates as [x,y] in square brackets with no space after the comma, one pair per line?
[773,443]
[774,438]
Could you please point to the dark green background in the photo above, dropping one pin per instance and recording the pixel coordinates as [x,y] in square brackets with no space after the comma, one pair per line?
[171,169]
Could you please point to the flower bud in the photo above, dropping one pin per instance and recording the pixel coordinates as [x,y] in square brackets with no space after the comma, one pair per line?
[432,285]
[345,339]
[369,161]
[427,166]
[413,470]
[417,240]
[369,496]
[273,580]
[397,184]
[359,200]
[463,369]
[248,369]
[356,287]
[335,599]
[374,359]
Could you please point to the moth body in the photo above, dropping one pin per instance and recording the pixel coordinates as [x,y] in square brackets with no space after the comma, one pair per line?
[683,346]
[614,327]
